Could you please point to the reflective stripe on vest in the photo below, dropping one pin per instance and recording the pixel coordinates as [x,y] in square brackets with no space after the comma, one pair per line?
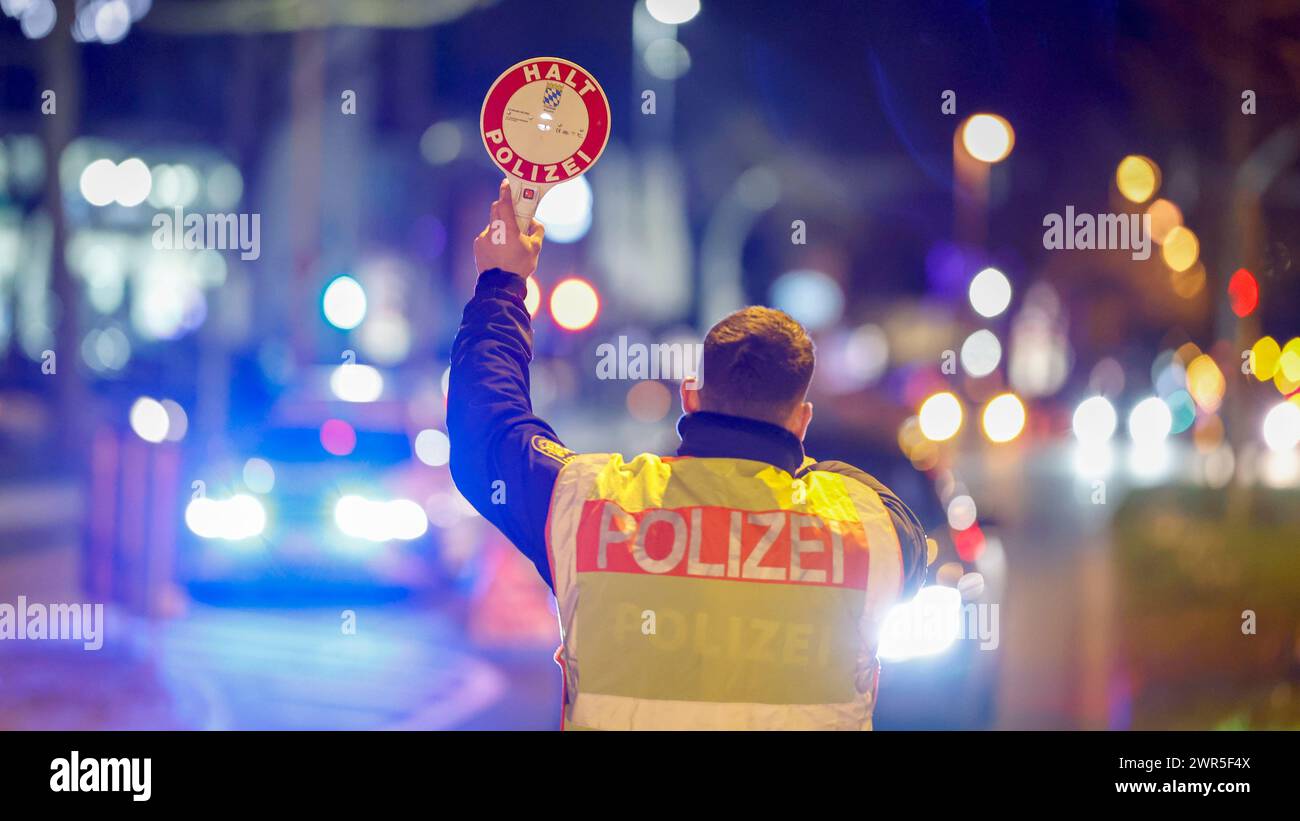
[718,594]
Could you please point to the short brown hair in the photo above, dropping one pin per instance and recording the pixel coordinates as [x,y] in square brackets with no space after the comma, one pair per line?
[758,363]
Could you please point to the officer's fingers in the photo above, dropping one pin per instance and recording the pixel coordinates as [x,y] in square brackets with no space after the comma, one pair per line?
[537,231]
[499,217]
[508,207]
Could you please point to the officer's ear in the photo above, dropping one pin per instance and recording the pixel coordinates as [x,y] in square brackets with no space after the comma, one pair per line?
[690,395]
[800,419]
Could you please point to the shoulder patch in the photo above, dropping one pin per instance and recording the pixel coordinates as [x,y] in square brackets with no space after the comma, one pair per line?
[553,449]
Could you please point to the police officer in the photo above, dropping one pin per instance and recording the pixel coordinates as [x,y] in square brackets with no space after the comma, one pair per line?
[739,584]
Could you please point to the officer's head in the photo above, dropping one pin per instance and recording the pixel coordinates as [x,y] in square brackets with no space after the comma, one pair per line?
[757,364]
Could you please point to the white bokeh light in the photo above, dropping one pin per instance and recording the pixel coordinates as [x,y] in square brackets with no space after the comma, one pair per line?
[1150,421]
[927,625]
[667,59]
[35,17]
[981,353]
[1004,418]
[961,512]
[357,383]
[940,417]
[99,182]
[344,303]
[133,182]
[380,521]
[149,419]
[1094,420]
[565,210]
[235,519]
[990,292]
[433,447]
[112,21]
[1282,427]
[673,12]
[988,137]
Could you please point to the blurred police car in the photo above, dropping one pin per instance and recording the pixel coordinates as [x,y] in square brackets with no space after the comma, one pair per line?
[326,495]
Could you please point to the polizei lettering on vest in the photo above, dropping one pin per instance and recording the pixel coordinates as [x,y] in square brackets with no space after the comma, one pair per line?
[776,546]
[736,638]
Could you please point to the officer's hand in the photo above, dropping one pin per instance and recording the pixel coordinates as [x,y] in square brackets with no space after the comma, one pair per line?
[501,245]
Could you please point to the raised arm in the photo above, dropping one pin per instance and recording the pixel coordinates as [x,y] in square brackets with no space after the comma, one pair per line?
[504,459]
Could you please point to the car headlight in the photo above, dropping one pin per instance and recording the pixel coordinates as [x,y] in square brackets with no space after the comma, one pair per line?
[925,626]
[235,519]
[380,520]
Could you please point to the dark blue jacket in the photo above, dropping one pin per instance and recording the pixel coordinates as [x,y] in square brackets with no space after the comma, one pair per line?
[504,459]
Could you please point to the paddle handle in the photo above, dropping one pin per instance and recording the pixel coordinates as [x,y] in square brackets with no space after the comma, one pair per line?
[526,196]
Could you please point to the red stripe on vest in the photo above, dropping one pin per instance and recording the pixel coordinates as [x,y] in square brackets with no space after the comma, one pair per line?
[774,546]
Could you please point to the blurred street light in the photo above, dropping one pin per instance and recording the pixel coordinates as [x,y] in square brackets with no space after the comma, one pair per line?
[990,292]
[566,211]
[344,303]
[673,12]
[981,353]
[1150,421]
[574,304]
[1094,420]
[988,137]
[98,182]
[1004,418]
[149,419]
[133,182]
[36,18]
[1181,248]
[1137,178]
[940,416]
[925,626]
[1282,426]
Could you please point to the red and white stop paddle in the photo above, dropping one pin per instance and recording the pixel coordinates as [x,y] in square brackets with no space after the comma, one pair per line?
[544,121]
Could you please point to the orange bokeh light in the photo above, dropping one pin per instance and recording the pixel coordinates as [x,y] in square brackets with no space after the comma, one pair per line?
[574,304]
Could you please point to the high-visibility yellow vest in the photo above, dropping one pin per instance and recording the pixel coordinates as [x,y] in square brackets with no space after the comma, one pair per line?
[707,593]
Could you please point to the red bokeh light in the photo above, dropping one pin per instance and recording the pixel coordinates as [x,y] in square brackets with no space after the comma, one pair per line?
[1243,292]
[969,543]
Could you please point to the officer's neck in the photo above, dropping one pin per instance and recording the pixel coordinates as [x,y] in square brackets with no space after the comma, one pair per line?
[706,434]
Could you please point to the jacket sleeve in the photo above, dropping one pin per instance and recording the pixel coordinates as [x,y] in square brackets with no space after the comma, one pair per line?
[504,459]
[911,534]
